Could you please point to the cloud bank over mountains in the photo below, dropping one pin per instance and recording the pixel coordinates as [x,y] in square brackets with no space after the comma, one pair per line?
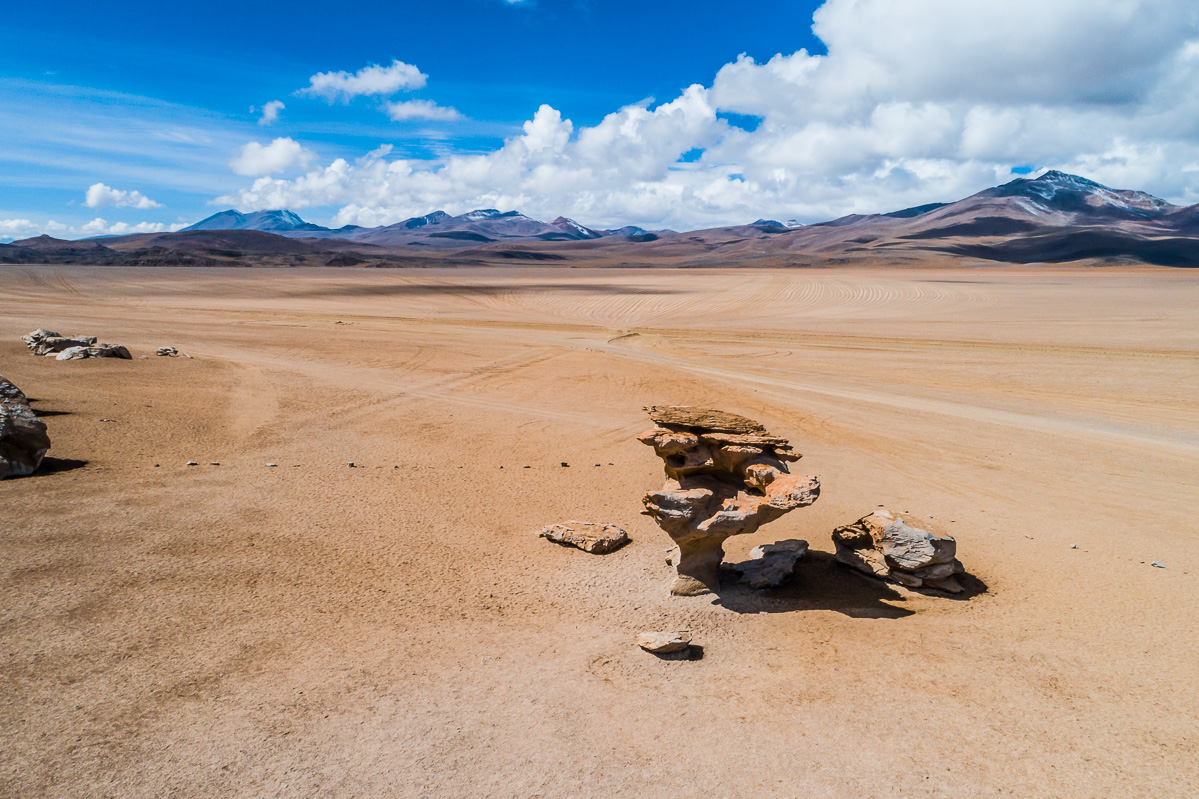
[912,103]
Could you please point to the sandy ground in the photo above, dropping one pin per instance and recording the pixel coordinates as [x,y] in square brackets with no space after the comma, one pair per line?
[396,629]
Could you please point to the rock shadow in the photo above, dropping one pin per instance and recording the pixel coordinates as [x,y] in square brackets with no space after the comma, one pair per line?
[39,413]
[819,583]
[692,652]
[56,465]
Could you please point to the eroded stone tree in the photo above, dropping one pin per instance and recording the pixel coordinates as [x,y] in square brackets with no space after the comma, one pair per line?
[725,476]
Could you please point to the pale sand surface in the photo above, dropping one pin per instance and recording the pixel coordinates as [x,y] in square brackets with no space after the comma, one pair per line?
[398,630]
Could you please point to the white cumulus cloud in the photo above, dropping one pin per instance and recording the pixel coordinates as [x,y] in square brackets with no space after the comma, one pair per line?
[420,109]
[370,80]
[915,102]
[100,196]
[270,112]
[280,155]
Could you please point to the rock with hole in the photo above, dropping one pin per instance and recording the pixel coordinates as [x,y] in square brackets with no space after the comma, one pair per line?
[725,476]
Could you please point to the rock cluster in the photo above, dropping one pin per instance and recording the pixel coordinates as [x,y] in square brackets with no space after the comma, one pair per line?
[71,348]
[23,438]
[725,476]
[890,546]
[769,565]
[593,537]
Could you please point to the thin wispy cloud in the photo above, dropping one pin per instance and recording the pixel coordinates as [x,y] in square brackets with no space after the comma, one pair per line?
[420,109]
[370,80]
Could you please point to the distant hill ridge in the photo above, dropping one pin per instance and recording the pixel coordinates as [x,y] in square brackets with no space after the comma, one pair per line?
[1054,218]
[482,225]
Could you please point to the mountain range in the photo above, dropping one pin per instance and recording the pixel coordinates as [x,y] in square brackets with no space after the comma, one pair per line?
[431,230]
[1055,218]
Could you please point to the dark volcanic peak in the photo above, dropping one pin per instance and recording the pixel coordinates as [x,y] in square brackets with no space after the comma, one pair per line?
[1058,191]
[280,221]
[435,218]
[574,230]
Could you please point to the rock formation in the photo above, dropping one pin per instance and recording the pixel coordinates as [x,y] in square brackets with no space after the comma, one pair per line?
[725,476]
[664,643]
[888,545]
[592,537]
[23,438]
[94,351]
[769,565]
[70,348]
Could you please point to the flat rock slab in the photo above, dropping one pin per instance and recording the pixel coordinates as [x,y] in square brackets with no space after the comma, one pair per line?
[663,643]
[704,419]
[769,565]
[594,537]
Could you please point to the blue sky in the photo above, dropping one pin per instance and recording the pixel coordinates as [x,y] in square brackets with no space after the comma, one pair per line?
[656,113]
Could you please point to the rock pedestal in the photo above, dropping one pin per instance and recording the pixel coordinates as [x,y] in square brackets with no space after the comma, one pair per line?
[23,438]
[725,476]
[889,545]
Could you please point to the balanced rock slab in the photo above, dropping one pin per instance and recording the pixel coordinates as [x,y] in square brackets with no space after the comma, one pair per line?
[23,437]
[890,546]
[594,537]
[769,565]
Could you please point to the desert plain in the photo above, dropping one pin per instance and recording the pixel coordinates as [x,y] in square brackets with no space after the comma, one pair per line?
[396,628]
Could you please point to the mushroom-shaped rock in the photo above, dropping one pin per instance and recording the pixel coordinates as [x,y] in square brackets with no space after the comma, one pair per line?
[725,476]
[663,643]
[23,437]
[889,545]
[593,537]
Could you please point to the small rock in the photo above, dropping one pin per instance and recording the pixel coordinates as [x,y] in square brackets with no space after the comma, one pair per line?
[192,463]
[1074,546]
[1158,565]
[214,463]
[770,565]
[272,464]
[662,643]
[169,352]
[593,537]
[565,464]
[350,464]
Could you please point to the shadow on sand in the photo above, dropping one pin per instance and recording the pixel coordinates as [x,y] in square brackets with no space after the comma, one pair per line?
[55,465]
[820,583]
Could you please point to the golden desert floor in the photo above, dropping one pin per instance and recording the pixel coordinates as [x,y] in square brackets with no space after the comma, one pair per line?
[397,629]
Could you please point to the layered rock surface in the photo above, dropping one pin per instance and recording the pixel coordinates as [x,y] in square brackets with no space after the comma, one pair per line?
[725,476]
[23,437]
[594,537]
[769,565]
[889,545]
[70,348]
